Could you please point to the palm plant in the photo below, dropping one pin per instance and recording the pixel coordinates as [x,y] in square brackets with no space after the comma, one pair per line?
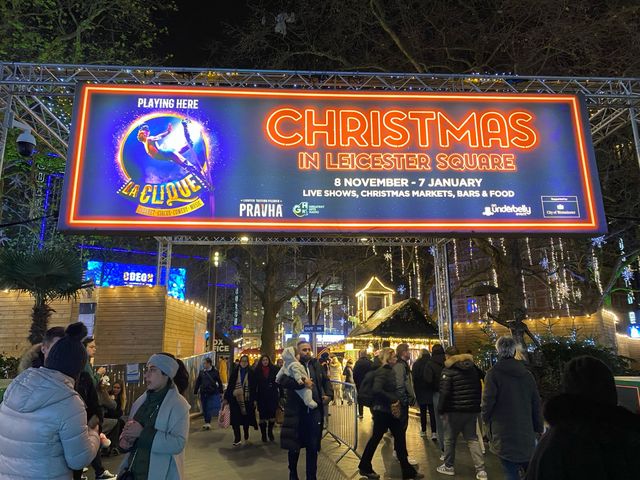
[47,275]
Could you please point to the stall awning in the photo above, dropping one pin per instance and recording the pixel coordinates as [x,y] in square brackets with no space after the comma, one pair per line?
[406,319]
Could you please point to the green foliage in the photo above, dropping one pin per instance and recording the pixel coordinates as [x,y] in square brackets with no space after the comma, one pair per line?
[543,37]
[548,361]
[556,351]
[81,31]
[47,275]
[8,366]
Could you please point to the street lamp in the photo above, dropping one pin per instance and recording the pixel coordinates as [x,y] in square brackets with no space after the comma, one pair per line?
[216,263]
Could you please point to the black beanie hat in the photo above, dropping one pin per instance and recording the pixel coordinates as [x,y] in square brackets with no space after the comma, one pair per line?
[590,378]
[68,355]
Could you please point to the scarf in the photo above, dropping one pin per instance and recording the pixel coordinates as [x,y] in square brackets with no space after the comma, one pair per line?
[241,389]
[265,371]
[146,416]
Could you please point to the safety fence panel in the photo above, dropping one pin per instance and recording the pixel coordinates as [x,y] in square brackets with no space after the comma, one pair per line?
[342,418]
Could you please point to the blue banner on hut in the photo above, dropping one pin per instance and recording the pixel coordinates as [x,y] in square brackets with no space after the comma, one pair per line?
[406,319]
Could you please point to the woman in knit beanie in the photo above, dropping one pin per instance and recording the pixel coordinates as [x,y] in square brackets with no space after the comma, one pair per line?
[158,426]
[41,406]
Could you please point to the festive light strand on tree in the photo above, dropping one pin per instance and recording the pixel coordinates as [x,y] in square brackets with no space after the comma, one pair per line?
[563,277]
[389,258]
[418,274]
[402,260]
[455,259]
[596,270]
[494,278]
[627,276]
[544,263]
[556,277]
[528,251]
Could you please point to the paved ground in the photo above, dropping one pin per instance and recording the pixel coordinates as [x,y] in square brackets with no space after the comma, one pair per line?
[210,455]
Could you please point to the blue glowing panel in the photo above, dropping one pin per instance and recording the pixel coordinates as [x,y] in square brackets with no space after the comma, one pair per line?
[107,274]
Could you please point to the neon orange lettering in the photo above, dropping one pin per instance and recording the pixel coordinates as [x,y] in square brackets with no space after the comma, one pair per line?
[274,131]
[468,129]
[494,129]
[422,119]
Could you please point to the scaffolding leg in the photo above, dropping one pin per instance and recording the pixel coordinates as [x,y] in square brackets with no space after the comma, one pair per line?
[636,135]
[6,125]
[164,260]
[443,293]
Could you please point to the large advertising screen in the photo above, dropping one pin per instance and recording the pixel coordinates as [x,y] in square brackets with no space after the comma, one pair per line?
[181,159]
[107,274]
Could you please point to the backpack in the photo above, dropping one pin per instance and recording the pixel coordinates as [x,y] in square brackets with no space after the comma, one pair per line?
[365,392]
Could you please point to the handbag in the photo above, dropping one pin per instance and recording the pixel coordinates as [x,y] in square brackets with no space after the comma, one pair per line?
[279,416]
[128,474]
[224,418]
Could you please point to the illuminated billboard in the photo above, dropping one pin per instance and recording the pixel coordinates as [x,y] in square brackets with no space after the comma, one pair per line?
[107,274]
[182,159]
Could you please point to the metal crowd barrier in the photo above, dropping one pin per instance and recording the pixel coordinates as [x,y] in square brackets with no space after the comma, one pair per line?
[342,420]
[118,373]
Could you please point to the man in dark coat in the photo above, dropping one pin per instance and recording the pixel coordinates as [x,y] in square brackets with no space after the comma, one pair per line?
[302,426]
[511,410]
[210,387]
[459,405]
[406,393]
[590,436]
[432,374]
[360,369]
[424,395]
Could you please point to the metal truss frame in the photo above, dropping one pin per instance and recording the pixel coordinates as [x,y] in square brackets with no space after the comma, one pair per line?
[613,102]
[165,247]
[28,88]
[347,241]
[443,294]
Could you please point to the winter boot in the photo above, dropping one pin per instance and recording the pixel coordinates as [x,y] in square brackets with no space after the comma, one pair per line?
[271,424]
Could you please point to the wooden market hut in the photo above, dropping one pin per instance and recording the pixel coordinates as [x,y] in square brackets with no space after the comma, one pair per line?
[129,323]
[402,322]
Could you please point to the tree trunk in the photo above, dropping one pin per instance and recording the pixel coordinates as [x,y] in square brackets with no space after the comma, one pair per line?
[508,266]
[39,322]
[268,335]
[509,273]
[270,304]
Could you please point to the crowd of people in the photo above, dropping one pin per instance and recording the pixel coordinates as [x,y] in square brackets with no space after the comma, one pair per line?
[60,413]
[588,435]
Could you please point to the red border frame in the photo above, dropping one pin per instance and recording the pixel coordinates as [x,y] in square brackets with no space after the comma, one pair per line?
[590,225]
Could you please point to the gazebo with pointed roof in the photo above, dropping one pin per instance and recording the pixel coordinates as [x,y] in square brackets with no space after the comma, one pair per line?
[373,297]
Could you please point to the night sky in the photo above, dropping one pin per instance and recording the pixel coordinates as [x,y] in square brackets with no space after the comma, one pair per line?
[196,28]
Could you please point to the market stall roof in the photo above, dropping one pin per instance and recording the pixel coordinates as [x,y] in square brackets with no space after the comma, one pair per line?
[406,319]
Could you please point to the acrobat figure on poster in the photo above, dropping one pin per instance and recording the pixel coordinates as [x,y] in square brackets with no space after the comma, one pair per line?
[155,151]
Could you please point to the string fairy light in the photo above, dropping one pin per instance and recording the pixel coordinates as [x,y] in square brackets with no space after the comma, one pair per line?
[455,259]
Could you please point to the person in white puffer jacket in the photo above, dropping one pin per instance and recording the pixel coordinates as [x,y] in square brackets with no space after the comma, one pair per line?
[44,433]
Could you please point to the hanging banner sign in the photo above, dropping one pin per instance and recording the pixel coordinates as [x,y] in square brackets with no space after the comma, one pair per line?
[181,159]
